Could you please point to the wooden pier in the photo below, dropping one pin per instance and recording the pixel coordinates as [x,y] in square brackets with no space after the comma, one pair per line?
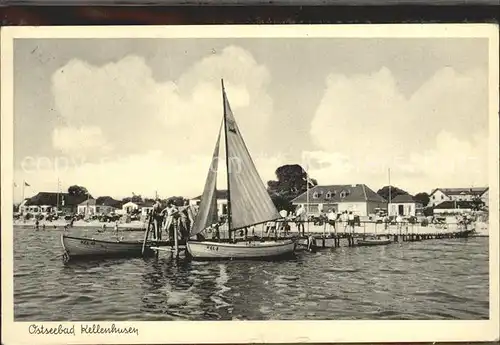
[349,239]
[322,236]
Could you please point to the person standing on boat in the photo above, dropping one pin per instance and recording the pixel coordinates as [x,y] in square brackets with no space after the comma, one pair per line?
[301,219]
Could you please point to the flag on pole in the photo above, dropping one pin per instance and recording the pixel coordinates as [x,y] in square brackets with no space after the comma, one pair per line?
[26,184]
[309,181]
[15,185]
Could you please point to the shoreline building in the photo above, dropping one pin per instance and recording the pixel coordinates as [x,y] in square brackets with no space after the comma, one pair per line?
[101,205]
[440,195]
[453,207]
[358,198]
[221,196]
[145,207]
[48,202]
[405,205]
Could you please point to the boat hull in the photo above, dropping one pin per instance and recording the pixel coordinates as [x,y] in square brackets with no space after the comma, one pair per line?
[373,242]
[78,247]
[207,250]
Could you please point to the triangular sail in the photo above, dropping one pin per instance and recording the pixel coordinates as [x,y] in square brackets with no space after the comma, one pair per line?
[249,200]
[207,212]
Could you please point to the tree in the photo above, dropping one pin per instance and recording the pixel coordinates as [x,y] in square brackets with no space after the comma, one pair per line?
[281,203]
[290,183]
[477,204]
[176,200]
[395,191]
[422,198]
[133,198]
[78,190]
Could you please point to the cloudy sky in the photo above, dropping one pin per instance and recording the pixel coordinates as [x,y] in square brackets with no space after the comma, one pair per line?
[139,115]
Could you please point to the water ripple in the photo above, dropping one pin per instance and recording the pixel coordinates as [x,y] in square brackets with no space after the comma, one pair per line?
[437,279]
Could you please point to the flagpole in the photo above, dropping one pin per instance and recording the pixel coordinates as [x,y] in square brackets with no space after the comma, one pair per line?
[389,207]
[58,187]
[307,194]
[24,184]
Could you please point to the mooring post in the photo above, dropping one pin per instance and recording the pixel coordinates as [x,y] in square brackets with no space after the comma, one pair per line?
[176,239]
[146,235]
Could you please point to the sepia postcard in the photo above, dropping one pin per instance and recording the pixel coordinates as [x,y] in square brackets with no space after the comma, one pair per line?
[250,184]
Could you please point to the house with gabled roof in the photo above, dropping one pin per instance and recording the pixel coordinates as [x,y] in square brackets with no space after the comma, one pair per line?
[101,205]
[47,202]
[221,196]
[358,198]
[404,205]
[440,195]
[145,207]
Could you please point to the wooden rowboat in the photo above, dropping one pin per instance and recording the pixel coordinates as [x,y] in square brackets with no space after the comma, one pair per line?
[80,247]
[206,250]
[373,241]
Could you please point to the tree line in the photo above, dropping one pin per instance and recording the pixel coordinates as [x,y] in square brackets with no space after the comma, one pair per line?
[291,181]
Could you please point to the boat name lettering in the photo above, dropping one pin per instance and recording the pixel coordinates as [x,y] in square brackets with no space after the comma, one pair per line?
[213,248]
[88,243]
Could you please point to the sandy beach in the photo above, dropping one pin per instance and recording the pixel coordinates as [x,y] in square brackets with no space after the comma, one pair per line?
[481,227]
[133,225]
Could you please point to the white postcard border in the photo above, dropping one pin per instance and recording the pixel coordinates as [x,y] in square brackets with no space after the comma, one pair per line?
[251,331]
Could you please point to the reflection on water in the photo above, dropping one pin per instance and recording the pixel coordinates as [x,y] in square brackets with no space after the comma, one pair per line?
[441,279]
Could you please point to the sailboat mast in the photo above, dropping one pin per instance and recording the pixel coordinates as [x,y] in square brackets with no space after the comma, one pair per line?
[58,187]
[307,194]
[229,223]
[389,206]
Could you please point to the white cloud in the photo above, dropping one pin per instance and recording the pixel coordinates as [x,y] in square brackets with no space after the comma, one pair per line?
[160,133]
[137,112]
[428,139]
[142,174]
[82,140]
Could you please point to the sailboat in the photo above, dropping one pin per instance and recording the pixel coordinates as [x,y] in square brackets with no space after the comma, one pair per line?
[249,203]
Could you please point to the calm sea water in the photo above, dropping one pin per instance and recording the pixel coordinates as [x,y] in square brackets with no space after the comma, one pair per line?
[440,279]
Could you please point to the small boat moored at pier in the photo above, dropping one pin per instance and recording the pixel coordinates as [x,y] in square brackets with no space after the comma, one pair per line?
[81,247]
[374,241]
[240,250]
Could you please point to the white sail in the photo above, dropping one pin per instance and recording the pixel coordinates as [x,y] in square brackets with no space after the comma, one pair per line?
[249,200]
[207,213]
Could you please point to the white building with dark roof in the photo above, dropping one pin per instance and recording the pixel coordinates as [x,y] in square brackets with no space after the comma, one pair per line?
[358,198]
[221,196]
[404,205]
[440,195]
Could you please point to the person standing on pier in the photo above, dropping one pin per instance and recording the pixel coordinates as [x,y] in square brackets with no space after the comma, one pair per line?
[187,219]
[157,218]
[284,223]
[332,216]
[344,219]
[172,214]
[350,221]
[301,218]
